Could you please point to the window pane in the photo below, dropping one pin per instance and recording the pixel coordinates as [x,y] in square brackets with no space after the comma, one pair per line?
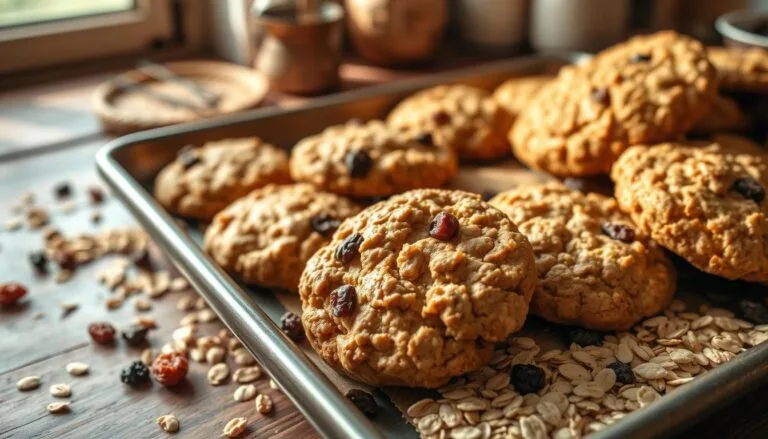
[21,12]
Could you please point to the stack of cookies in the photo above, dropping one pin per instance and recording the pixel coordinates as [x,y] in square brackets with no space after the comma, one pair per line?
[417,288]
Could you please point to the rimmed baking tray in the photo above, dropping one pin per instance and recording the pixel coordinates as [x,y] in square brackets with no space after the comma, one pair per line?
[130,164]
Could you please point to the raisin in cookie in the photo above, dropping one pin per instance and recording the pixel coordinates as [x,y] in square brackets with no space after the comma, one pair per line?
[463,118]
[267,236]
[595,269]
[515,93]
[646,90]
[741,69]
[705,204]
[417,289]
[202,181]
[370,160]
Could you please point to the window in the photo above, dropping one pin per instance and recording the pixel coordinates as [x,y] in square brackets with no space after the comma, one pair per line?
[41,33]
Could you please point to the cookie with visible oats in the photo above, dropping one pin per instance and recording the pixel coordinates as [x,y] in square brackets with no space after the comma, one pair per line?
[463,118]
[417,289]
[706,204]
[371,160]
[266,237]
[741,69]
[649,89]
[514,94]
[202,181]
[596,270]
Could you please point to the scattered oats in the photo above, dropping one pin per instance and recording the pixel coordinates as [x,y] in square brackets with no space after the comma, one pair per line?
[243,358]
[548,412]
[36,217]
[263,404]
[646,395]
[606,379]
[145,322]
[185,334]
[13,224]
[63,276]
[185,303]
[458,394]
[67,308]
[245,392]
[218,374]
[589,390]
[466,432]
[624,353]
[28,383]
[113,303]
[201,304]
[168,423]
[197,354]
[273,385]
[533,427]
[189,319]
[215,355]
[249,374]
[58,407]
[726,344]
[67,207]
[147,356]
[179,284]
[142,305]
[233,344]
[650,371]
[206,316]
[472,403]
[420,408]
[429,424]
[235,427]
[498,381]
[449,415]
[574,372]
[60,390]
[77,368]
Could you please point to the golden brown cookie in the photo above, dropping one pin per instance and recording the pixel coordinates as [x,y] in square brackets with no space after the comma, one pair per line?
[266,237]
[596,270]
[741,69]
[371,159]
[646,90]
[724,115]
[705,204]
[202,181]
[463,118]
[514,94]
[417,289]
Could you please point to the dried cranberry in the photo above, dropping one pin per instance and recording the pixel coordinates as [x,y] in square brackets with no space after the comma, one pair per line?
[135,335]
[363,401]
[601,96]
[169,369]
[584,337]
[755,312]
[11,292]
[359,163]
[324,224]
[291,325]
[624,374]
[527,378]
[640,57]
[102,332]
[188,156]
[343,300]
[619,232]
[749,188]
[349,248]
[443,226]
[135,375]
[66,260]
[39,261]
[441,118]
[96,195]
[425,139]
[63,190]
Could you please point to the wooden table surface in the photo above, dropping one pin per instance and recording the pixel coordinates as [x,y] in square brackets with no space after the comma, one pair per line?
[48,135]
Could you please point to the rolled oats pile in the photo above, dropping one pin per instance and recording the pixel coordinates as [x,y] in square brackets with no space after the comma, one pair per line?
[531,393]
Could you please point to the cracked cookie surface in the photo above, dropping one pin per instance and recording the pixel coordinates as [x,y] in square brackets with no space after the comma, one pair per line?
[595,269]
[646,90]
[203,181]
[267,236]
[463,118]
[424,308]
[706,204]
[371,159]
[741,69]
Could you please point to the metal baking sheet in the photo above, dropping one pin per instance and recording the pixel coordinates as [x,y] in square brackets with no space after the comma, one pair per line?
[130,164]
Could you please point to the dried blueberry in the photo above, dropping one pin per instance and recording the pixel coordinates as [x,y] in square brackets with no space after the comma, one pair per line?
[135,375]
[324,224]
[135,335]
[39,261]
[441,118]
[425,139]
[755,312]
[749,188]
[349,248]
[343,300]
[640,57]
[358,163]
[619,232]
[624,374]
[527,378]
[584,337]
[63,190]
[364,401]
[291,325]
[488,194]
[443,226]
[601,96]
[188,156]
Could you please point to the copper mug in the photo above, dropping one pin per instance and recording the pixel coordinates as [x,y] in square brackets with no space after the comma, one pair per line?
[299,54]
